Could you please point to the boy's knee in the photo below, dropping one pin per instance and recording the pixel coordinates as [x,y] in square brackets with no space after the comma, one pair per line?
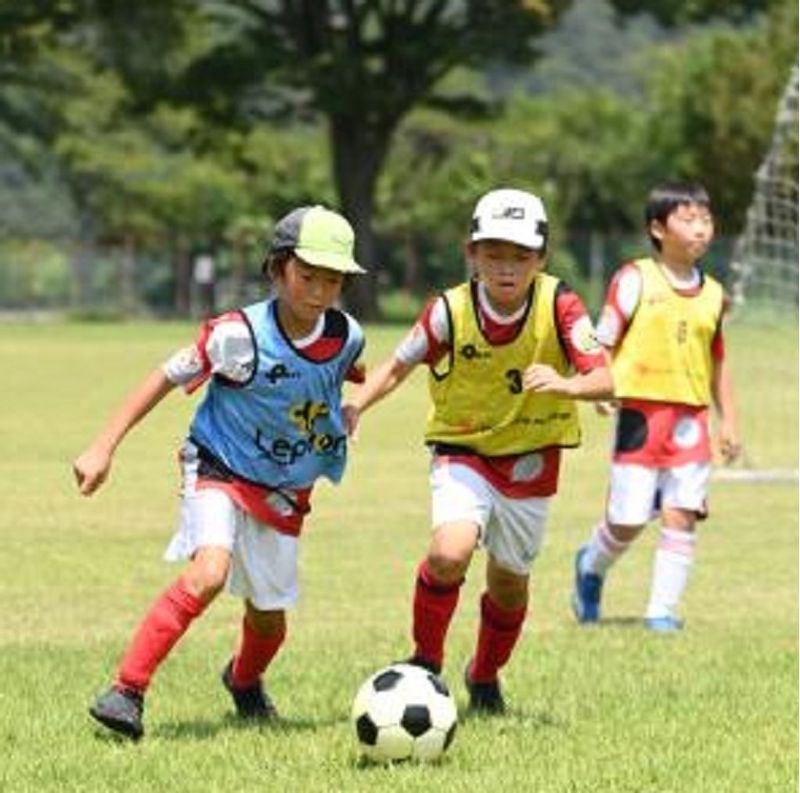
[624,533]
[447,566]
[451,550]
[206,576]
[507,589]
[266,623]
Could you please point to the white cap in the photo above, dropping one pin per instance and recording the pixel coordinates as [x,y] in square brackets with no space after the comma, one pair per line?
[510,215]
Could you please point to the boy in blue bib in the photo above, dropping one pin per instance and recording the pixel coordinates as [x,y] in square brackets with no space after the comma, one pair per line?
[271,423]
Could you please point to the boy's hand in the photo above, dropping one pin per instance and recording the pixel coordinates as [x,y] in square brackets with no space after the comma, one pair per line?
[728,442]
[544,379]
[91,469]
[351,418]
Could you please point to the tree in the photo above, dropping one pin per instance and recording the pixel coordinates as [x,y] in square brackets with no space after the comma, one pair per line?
[682,12]
[363,65]
[714,103]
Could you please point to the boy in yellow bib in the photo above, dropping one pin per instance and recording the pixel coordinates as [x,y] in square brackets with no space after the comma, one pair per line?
[662,323]
[502,351]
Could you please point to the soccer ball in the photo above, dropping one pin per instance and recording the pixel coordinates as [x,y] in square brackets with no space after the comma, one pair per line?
[404,712]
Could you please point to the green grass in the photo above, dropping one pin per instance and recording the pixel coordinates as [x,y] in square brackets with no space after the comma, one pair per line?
[599,709]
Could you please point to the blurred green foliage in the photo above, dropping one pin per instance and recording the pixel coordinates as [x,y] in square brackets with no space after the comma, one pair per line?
[151,156]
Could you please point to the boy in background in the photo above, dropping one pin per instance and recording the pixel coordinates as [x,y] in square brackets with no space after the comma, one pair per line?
[662,324]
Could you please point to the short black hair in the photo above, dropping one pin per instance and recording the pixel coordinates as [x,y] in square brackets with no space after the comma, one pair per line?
[275,262]
[666,197]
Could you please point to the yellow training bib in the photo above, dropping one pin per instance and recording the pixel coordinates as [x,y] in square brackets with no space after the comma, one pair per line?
[478,400]
[665,355]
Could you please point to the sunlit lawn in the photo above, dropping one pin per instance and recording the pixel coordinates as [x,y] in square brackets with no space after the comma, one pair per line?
[600,709]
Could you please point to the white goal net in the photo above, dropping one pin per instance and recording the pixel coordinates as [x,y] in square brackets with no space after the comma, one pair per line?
[764,287]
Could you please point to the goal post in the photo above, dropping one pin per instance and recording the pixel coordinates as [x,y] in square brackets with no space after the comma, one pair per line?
[764,317]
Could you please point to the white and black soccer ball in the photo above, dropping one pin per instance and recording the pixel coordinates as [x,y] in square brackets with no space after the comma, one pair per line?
[404,712]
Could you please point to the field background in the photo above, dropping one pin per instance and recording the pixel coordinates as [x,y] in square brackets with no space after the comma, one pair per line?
[598,709]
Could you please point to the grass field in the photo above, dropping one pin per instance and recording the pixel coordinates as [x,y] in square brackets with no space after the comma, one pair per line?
[609,708]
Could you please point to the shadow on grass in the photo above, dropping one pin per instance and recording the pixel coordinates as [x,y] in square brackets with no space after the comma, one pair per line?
[621,622]
[514,718]
[538,719]
[202,729]
[110,738]
[611,622]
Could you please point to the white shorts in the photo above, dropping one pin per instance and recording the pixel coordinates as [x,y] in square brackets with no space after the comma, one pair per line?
[511,529]
[263,561]
[637,493]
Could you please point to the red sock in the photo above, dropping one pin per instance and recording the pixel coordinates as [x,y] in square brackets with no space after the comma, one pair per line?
[498,633]
[165,623]
[434,605]
[254,654]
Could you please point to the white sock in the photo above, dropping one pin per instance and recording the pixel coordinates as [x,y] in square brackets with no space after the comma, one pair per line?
[602,550]
[673,560]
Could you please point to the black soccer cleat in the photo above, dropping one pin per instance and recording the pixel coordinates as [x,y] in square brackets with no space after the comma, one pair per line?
[120,709]
[484,698]
[423,663]
[251,702]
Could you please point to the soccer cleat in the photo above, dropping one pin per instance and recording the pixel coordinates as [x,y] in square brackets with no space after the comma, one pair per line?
[120,709]
[251,702]
[423,663]
[668,624]
[587,592]
[484,698]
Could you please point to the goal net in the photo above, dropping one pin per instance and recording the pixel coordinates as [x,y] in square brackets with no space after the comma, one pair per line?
[764,319]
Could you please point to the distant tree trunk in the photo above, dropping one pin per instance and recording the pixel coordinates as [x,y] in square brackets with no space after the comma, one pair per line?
[358,155]
[81,261]
[182,269]
[126,295]
[411,263]
[596,269]
[238,271]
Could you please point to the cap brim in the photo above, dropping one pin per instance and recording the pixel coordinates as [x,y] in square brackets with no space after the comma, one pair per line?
[535,243]
[331,261]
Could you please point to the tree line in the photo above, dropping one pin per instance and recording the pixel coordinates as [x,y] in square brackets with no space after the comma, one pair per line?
[158,128]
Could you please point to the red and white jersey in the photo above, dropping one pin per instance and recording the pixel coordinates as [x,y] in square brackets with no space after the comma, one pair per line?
[517,476]
[622,300]
[655,434]
[225,347]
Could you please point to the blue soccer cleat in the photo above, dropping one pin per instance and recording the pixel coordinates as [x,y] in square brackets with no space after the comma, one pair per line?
[587,592]
[668,624]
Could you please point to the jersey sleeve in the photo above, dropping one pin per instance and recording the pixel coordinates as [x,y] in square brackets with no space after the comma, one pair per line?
[622,300]
[357,371]
[576,331]
[224,346]
[429,339]
[718,342]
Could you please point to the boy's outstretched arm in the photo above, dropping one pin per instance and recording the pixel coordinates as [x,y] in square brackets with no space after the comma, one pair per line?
[727,431]
[593,385]
[92,466]
[380,382]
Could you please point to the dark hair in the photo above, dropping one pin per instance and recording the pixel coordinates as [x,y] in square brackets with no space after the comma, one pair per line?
[666,197]
[275,262]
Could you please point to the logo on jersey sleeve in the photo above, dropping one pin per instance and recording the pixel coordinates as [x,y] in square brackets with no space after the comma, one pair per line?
[583,337]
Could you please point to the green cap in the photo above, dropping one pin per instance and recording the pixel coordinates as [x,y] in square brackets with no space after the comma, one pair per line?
[318,236]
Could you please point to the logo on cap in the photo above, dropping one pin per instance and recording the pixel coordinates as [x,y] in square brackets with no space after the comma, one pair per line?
[513,213]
